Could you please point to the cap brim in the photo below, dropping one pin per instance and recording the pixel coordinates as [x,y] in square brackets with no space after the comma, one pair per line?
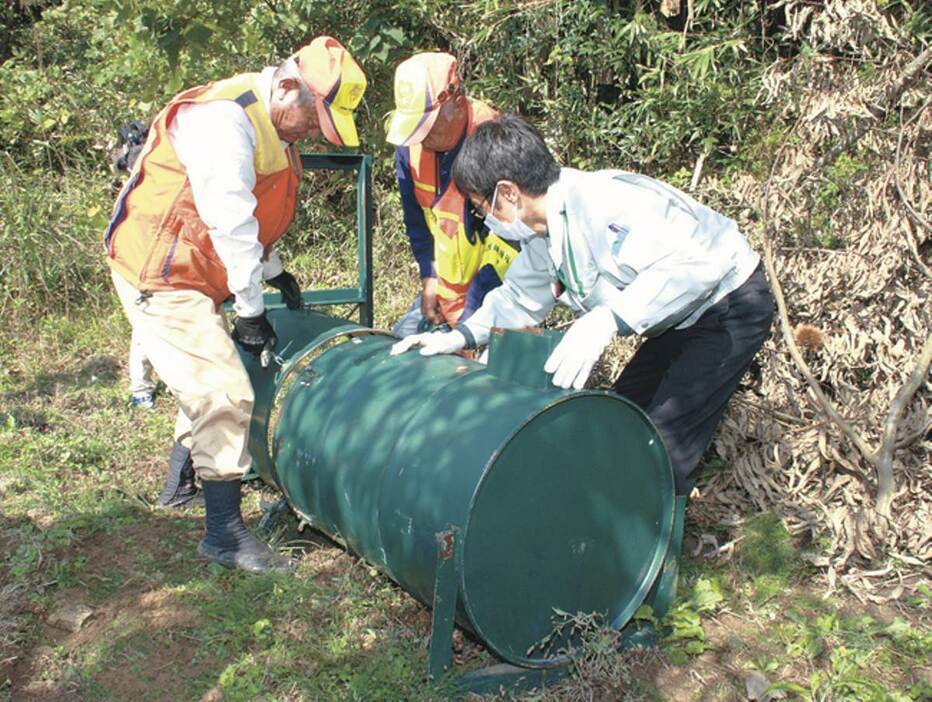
[406,129]
[337,125]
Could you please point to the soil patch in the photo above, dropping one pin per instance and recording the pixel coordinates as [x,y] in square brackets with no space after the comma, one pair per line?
[141,624]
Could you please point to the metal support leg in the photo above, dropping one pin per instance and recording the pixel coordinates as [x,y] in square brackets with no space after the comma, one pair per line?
[503,676]
[663,593]
[271,514]
[440,658]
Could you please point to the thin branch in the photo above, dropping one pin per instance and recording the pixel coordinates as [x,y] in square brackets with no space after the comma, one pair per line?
[910,210]
[786,327]
[910,439]
[920,220]
[822,251]
[881,458]
[914,250]
[788,418]
[900,402]
[881,105]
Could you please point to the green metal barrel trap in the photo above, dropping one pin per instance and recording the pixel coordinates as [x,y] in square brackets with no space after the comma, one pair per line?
[483,491]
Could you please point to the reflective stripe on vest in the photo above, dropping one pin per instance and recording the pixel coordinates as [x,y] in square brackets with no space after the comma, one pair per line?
[156,240]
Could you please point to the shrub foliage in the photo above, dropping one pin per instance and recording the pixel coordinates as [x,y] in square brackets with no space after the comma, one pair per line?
[630,84]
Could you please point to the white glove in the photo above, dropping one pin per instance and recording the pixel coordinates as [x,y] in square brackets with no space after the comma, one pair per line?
[431,343]
[572,360]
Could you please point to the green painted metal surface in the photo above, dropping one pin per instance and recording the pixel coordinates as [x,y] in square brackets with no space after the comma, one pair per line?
[570,517]
[563,501]
[440,657]
[361,295]
[297,330]
[663,593]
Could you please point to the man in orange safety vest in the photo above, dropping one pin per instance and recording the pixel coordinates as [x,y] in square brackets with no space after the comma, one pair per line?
[212,191]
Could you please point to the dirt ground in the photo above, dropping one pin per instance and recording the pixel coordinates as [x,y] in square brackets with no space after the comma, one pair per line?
[153,649]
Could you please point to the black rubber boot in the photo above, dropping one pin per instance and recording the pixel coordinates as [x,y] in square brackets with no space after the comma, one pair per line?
[179,487]
[228,541]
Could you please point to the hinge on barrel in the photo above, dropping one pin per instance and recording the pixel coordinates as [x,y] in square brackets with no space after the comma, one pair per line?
[440,658]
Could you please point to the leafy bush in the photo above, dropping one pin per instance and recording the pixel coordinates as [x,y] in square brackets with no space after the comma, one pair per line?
[50,240]
[610,84]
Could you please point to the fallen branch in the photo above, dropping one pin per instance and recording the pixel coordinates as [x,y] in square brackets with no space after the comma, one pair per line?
[881,105]
[881,458]
[789,418]
[884,460]
[910,210]
[910,439]
[787,331]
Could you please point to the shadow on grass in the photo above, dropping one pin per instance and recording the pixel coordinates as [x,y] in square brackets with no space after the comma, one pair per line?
[167,625]
[101,370]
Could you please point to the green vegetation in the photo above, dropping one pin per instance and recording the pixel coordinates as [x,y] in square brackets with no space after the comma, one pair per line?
[686,635]
[855,648]
[766,548]
[77,477]
[841,182]
[610,84]
[78,472]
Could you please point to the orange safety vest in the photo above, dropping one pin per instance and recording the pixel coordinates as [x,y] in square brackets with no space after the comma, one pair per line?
[456,258]
[156,240]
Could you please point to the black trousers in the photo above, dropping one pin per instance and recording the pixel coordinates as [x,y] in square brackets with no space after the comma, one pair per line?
[684,378]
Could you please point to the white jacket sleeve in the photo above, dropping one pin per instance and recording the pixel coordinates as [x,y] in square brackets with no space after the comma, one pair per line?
[678,266]
[216,143]
[666,293]
[524,298]
[272,265]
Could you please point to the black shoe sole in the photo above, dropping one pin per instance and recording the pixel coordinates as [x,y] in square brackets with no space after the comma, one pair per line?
[273,564]
[184,501]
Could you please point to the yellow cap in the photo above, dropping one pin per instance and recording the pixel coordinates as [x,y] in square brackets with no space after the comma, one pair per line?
[337,82]
[423,83]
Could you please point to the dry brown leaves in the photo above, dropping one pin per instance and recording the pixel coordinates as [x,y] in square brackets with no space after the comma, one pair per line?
[860,310]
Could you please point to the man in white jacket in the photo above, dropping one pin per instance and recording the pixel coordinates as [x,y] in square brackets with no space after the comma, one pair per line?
[631,255]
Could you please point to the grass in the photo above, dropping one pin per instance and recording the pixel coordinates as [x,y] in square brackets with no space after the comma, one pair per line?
[50,239]
[78,470]
[766,549]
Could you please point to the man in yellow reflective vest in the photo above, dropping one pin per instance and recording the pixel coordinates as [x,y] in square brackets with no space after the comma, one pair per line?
[212,191]
[459,261]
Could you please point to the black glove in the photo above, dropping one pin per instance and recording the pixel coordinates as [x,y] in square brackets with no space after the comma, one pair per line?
[291,291]
[254,334]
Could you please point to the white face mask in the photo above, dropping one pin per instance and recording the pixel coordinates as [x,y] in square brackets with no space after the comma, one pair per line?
[516,230]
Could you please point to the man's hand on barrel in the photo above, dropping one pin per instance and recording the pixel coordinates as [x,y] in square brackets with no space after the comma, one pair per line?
[431,343]
[430,304]
[572,360]
[254,334]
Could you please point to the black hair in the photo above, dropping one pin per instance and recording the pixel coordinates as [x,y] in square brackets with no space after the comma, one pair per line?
[507,148]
